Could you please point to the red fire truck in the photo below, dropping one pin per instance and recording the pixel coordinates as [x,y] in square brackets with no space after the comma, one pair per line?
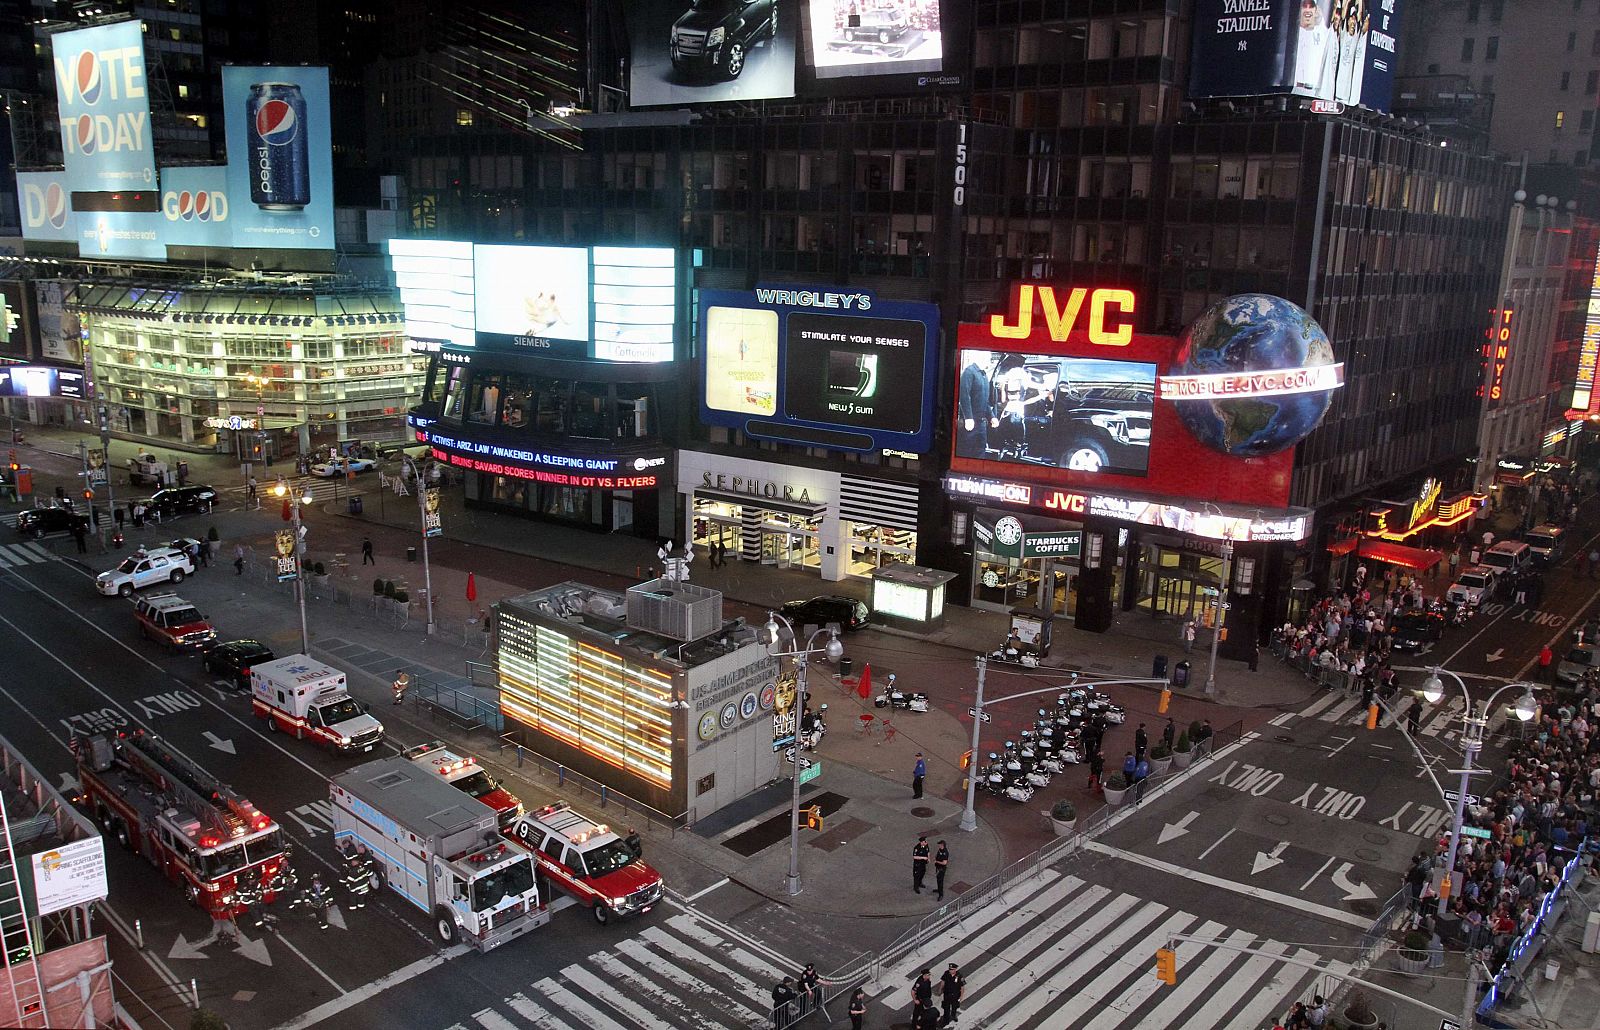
[223,850]
[465,774]
[602,871]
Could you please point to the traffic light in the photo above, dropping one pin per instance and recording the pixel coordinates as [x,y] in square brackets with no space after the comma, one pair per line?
[88,494]
[1167,966]
[1166,699]
[813,817]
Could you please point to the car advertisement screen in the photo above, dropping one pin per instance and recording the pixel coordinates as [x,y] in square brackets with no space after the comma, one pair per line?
[847,371]
[1083,414]
[709,51]
[850,38]
[532,294]
[280,157]
[104,104]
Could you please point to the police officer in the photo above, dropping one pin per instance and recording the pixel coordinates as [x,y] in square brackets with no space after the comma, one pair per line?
[954,986]
[401,682]
[941,862]
[783,997]
[919,862]
[858,1008]
[921,996]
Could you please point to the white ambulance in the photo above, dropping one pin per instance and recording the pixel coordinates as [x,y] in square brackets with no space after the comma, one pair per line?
[302,696]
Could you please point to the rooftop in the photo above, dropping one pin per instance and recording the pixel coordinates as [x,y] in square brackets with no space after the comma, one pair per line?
[600,617]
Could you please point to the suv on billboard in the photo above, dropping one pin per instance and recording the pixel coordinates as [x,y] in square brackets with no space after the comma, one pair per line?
[714,37]
[882,26]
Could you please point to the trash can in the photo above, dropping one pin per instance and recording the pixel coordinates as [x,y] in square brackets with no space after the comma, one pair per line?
[411,554]
[1158,667]
[1180,674]
[845,665]
[355,505]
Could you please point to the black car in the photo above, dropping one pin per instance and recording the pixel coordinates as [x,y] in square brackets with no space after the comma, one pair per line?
[38,522]
[1414,631]
[849,613]
[182,500]
[714,37]
[235,658]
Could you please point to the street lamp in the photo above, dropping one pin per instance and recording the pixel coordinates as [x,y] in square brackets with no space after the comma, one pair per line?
[1476,721]
[834,650]
[295,500]
[422,519]
[1221,602]
[260,384]
[105,461]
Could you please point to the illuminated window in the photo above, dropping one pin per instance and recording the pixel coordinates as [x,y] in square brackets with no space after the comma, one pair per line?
[183,90]
[464,116]
[1561,120]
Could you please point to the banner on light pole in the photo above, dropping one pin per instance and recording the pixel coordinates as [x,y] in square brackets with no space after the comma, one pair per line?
[432,525]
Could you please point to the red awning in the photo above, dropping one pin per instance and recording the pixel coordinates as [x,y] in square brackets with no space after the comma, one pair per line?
[1401,555]
[1340,548]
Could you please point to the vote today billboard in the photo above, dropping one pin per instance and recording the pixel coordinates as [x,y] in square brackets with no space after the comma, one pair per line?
[1336,51]
[104,106]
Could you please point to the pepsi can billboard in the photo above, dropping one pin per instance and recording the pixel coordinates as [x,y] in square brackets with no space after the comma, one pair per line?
[195,207]
[104,106]
[46,205]
[280,157]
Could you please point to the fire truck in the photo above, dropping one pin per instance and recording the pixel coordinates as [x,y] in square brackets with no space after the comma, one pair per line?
[225,852]
[587,860]
[465,774]
[438,849]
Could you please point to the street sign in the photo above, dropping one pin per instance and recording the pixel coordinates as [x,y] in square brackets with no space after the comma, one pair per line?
[974,713]
[1473,831]
[810,771]
[1451,795]
[789,756]
[1449,1024]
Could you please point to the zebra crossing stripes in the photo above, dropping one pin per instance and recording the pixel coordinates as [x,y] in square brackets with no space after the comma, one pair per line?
[13,556]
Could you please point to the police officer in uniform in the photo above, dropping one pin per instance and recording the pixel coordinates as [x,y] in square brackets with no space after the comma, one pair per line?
[954,985]
[919,862]
[941,862]
[858,1008]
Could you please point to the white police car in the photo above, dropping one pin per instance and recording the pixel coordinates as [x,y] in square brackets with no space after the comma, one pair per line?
[142,568]
[1473,586]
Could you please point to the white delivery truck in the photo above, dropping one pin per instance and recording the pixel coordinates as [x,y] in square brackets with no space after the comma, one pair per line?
[147,468]
[302,696]
[439,849]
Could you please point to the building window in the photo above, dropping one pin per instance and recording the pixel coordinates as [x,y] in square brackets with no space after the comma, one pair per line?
[1561,120]
[1497,10]
[1472,13]
[1466,48]
[1566,81]
[1572,42]
[1488,83]
[1594,46]
[183,90]
[1491,49]
[464,117]
[1586,121]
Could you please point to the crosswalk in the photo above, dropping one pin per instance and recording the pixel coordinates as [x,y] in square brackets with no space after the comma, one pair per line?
[1072,954]
[1442,720]
[322,490]
[15,556]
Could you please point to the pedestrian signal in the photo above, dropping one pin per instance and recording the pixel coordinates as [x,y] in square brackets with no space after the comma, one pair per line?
[813,817]
[1372,716]
[1444,887]
[1166,699]
[88,495]
[966,759]
[1167,966]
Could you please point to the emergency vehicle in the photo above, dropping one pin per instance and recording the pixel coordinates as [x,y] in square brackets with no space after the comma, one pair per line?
[587,860]
[223,851]
[438,849]
[299,695]
[465,774]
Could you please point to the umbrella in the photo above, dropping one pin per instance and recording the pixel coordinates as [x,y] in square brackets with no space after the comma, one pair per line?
[472,587]
[864,687]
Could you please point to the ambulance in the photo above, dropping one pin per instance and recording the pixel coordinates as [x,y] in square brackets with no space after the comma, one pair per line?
[299,695]
[602,871]
[465,774]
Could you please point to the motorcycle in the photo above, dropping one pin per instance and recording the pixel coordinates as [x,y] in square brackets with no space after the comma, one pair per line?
[895,698]
[812,730]
[1011,656]
[1043,761]
[996,782]
[1024,769]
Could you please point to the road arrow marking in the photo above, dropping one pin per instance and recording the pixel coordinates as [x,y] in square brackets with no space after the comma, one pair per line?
[1265,860]
[1172,831]
[336,917]
[254,950]
[220,743]
[1495,655]
[1354,890]
[183,949]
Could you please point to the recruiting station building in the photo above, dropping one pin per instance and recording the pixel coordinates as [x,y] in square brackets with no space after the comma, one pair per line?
[1075,487]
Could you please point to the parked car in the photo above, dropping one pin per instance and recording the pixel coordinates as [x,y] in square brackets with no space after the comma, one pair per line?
[1475,585]
[714,37]
[330,469]
[143,568]
[848,612]
[1578,662]
[234,659]
[182,500]
[1414,631]
[41,522]
[170,620]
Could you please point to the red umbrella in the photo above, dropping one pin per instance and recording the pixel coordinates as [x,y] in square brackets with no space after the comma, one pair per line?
[472,587]
[864,688]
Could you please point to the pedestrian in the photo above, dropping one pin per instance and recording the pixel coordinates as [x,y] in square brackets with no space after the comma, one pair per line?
[1188,636]
[1206,731]
[783,997]
[251,493]
[810,989]
[1141,772]
[1413,719]
[1546,656]
[366,551]
[1169,733]
[205,552]
[121,517]
[941,865]
[401,682]
[79,535]
[921,996]
[238,559]
[138,515]
[1317,1014]
[858,1008]
[955,985]
[919,862]
[1097,767]
[1141,742]
[192,549]
[918,771]
[1594,563]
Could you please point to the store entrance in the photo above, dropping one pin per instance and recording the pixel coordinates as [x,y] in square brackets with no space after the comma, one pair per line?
[1177,584]
[1050,584]
[789,541]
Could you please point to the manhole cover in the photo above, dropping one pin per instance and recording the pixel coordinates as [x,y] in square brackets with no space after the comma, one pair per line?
[1375,837]
[1284,738]
[1276,819]
[922,812]
[1368,855]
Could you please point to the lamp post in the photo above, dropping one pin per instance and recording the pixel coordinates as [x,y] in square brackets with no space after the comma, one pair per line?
[259,383]
[296,499]
[105,462]
[422,524]
[1475,722]
[834,650]
[1221,603]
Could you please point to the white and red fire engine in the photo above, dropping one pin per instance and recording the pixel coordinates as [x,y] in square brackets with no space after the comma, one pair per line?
[465,774]
[603,871]
[223,851]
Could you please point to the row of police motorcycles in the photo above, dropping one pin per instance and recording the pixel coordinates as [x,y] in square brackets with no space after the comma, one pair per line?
[1055,742]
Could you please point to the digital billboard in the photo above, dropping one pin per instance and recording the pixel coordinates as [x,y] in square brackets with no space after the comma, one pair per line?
[15,327]
[833,369]
[532,294]
[104,104]
[847,39]
[435,281]
[280,157]
[708,51]
[60,331]
[1335,51]
[635,296]
[40,381]
[1084,414]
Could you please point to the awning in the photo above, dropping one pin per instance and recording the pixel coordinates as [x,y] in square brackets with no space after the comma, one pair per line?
[1340,548]
[793,506]
[1399,554]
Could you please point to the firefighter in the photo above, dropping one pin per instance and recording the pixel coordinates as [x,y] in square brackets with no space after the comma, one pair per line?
[401,682]
[357,874]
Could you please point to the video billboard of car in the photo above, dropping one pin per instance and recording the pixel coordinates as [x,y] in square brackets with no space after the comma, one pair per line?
[280,157]
[1081,414]
[852,38]
[103,100]
[709,51]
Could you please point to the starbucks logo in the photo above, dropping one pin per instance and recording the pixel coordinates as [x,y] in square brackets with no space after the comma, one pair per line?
[1008,531]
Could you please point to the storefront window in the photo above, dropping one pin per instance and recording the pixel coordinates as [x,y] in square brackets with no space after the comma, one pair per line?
[1175,583]
[589,411]
[510,491]
[873,547]
[455,394]
[633,411]
[485,404]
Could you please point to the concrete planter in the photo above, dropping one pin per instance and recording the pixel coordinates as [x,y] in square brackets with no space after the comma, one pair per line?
[1181,759]
[1114,797]
[1063,828]
[1407,964]
[1159,766]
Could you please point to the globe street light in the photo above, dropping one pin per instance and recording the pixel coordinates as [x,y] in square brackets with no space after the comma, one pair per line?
[1476,722]
[833,650]
[295,500]
[410,463]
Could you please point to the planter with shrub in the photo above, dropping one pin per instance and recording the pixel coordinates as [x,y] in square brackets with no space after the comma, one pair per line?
[1413,954]
[1116,788]
[1183,751]
[1063,818]
[1160,760]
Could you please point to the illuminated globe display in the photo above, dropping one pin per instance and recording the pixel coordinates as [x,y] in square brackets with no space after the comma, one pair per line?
[1254,375]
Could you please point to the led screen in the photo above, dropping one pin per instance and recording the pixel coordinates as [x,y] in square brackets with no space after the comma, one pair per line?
[1084,414]
[708,51]
[40,381]
[14,319]
[855,370]
[533,292]
[741,347]
[851,38]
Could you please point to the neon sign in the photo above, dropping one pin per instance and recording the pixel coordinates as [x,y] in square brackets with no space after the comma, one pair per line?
[1589,353]
[1312,379]
[1062,318]
[1496,352]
